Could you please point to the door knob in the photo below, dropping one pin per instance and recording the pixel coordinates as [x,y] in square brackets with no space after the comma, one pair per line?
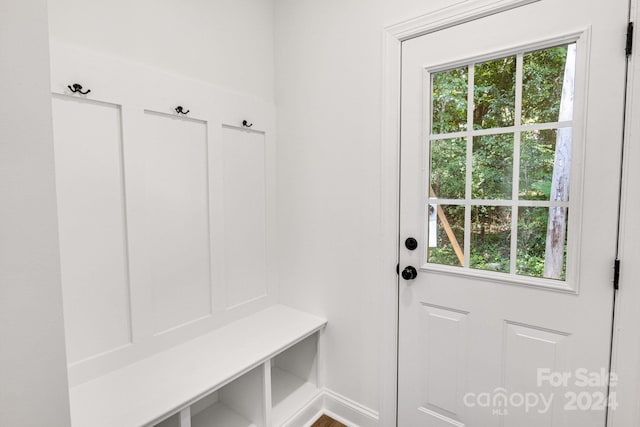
[411,243]
[409,273]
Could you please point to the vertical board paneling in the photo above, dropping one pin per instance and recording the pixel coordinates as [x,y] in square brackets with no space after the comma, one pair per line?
[244,215]
[175,241]
[177,200]
[93,230]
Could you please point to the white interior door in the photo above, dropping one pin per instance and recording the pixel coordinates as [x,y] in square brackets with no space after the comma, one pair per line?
[510,155]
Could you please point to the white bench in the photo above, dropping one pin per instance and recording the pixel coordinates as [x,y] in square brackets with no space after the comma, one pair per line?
[257,371]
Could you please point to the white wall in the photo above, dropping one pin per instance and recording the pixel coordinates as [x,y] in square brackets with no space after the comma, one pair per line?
[228,43]
[33,382]
[328,96]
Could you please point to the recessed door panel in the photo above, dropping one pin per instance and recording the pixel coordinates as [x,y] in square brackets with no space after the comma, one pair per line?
[444,344]
[533,355]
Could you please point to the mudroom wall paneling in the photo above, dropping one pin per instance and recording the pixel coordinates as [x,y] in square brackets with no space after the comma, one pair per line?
[166,201]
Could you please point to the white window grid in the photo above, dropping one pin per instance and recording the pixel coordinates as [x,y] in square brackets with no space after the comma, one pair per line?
[517,129]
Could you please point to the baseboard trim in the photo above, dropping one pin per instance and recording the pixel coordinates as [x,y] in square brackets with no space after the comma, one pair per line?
[338,407]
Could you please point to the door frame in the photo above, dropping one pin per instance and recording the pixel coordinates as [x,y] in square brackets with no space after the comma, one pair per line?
[626,343]
[626,338]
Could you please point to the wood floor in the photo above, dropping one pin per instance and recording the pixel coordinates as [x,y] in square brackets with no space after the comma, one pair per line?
[325,421]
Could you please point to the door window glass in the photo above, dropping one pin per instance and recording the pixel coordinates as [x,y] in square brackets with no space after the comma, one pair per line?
[498,190]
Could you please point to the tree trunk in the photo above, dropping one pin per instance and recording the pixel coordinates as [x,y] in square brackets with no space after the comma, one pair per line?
[556,227]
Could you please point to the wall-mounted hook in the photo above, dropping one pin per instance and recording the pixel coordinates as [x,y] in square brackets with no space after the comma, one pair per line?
[180,110]
[246,124]
[77,88]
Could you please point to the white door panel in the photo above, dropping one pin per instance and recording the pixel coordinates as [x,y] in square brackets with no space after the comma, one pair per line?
[468,333]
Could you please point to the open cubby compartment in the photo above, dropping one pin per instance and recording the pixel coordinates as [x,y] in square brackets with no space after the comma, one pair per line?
[241,403]
[172,421]
[294,379]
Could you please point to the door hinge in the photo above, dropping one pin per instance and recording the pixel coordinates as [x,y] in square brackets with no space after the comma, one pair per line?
[616,274]
[629,46]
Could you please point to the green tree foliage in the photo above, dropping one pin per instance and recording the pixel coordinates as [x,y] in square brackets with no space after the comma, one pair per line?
[444,252]
[494,94]
[542,79]
[536,165]
[449,101]
[492,166]
[490,238]
[532,228]
[448,167]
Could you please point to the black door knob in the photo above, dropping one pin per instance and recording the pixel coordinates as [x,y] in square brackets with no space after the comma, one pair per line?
[409,273]
[411,243]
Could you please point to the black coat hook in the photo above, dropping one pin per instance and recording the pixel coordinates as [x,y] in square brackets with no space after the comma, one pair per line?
[246,124]
[77,88]
[180,110]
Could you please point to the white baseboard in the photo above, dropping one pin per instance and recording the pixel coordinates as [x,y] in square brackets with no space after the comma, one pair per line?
[338,407]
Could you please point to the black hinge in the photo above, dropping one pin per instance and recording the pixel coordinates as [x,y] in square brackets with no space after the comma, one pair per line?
[629,38]
[616,274]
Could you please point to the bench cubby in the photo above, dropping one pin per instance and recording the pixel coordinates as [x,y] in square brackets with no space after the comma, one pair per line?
[255,372]
[293,378]
[240,403]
